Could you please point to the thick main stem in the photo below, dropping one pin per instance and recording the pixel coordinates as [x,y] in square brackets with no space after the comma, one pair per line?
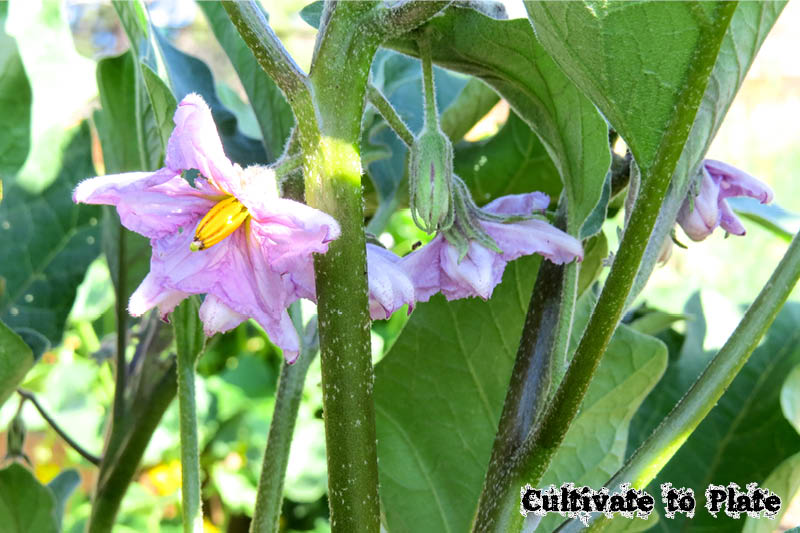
[333,184]
[190,454]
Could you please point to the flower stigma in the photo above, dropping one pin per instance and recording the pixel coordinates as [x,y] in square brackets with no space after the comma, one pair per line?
[220,221]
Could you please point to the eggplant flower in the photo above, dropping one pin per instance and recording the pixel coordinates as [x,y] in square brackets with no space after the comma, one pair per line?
[229,235]
[701,214]
[390,287]
[437,266]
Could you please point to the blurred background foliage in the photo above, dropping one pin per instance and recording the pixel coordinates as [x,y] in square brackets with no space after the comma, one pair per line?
[60,43]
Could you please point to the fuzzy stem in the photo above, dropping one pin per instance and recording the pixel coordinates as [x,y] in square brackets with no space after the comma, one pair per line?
[267,512]
[268,50]
[388,112]
[115,479]
[95,460]
[428,88]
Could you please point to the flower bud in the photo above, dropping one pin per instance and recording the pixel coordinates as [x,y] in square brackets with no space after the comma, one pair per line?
[431,180]
[16,438]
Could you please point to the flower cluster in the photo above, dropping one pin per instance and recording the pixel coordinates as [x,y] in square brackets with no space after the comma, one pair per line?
[231,237]
[700,214]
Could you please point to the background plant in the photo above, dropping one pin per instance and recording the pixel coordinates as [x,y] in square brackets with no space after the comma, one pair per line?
[67,270]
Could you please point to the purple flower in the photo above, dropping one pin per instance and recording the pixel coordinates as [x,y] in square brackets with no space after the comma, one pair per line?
[390,287]
[230,236]
[437,267]
[701,214]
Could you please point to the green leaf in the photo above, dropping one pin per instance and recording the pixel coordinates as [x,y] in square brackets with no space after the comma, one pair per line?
[783,481]
[15,104]
[162,105]
[512,161]
[773,217]
[118,84]
[25,504]
[46,244]
[595,252]
[273,113]
[16,359]
[506,55]
[472,103]
[790,398]
[729,445]
[438,400]
[62,487]
[188,74]
[749,27]
[615,51]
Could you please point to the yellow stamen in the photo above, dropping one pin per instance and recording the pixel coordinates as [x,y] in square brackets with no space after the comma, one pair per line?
[219,222]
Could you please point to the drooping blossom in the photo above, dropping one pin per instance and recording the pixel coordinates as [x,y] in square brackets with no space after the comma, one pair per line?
[229,235]
[437,266]
[390,287]
[701,214]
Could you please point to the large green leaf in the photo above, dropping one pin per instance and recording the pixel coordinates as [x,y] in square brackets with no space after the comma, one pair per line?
[749,27]
[16,359]
[506,55]
[438,399]
[25,504]
[62,487]
[729,445]
[790,398]
[117,83]
[15,104]
[46,244]
[783,481]
[616,52]
[273,113]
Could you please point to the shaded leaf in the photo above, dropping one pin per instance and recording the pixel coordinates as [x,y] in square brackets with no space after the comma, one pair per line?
[730,444]
[25,504]
[512,161]
[46,244]
[440,390]
[15,361]
[472,103]
[62,487]
[790,398]
[273,113]
[773,217]
[15,104]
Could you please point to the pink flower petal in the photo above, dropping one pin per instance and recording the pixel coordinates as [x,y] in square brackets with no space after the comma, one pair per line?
[477,274]
[734,182]
[218,317]
[518,204]
[534,237]
[390,288]
[152,204]
[195,144]
[423,267]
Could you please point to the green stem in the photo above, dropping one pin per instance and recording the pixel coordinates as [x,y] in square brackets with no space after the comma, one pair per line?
[643,466]
[333,171]
[61,433]
[267,48]
[540,363]
[388,112]
[267,512]
[530,464]
[114,480]
[428,88]
[190,454]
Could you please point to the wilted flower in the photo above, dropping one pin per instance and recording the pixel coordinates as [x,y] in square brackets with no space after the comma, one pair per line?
[438,266]
[390,287]
[229,236]
[701,214]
